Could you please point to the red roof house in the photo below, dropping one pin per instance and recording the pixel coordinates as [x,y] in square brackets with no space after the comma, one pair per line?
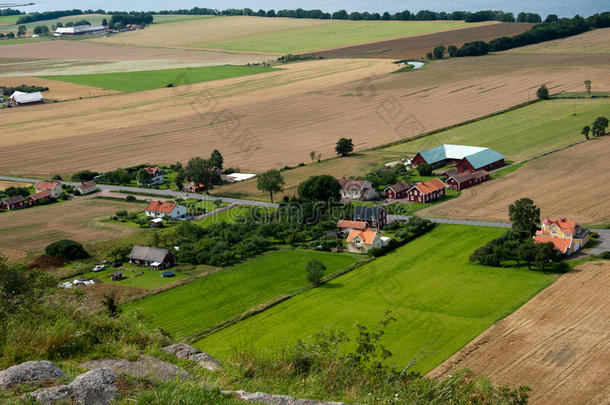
[429,191]
[159,209]
[37,198]
[54,187]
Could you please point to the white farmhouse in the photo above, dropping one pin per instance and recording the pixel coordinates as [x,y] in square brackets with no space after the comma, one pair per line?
[159,209]
[54,187]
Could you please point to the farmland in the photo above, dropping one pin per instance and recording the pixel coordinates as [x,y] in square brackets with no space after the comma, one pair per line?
[31,230]
[154,79]
[557,343]
[57,90]
[566,183]
[418,46]
[440,300]
[214,299]
[448,92]
[520,133]
[333,35]
[94,19]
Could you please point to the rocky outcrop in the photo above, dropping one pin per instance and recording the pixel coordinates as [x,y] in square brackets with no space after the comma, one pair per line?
[96,387]
[30,371]
[184,351]
[261,397]
[144,367]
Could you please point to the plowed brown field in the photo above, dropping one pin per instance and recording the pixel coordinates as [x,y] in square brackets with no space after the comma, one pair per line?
[419,46]
[568,183]
[558,343]
[275,119]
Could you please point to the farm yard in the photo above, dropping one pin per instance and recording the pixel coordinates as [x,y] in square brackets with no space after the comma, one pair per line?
[565,183]
[557,343]
[446,93]
[440,300]
[222,296]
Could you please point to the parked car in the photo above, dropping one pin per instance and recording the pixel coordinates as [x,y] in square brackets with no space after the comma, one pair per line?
[108,262]
[99,268]
[167,274]
[117,264]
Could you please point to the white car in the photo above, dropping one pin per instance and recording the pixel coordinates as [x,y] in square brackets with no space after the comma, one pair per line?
[99,268]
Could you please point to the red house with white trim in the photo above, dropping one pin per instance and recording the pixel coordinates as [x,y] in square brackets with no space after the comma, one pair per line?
[464,180]
[13,203]
[429,191]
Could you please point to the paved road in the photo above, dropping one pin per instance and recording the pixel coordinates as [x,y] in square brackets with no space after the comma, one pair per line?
[603,246]
[161,193]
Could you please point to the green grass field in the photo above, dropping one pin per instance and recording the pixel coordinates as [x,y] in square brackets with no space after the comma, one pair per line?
[9,19]
[94,19]
[149,280]
[214,299]
[173,18]
[338,34]
[441,302]
[154,79]
[521,133]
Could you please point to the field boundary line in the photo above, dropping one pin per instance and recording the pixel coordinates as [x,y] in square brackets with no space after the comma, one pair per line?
[270,304]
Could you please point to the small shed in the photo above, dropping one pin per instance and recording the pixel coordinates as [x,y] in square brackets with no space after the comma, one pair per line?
[118,276]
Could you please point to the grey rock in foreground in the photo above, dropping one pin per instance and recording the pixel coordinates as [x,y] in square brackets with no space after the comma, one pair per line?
[145,367]
[96,387]
[30,371]
[184,351]
[272,399]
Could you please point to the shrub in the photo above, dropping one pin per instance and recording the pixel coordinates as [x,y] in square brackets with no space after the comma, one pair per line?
[605,255]
[542,93]
[66,249]
[130,198]
[424,169]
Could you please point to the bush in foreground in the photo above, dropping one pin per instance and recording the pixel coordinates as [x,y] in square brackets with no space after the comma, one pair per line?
[66,249]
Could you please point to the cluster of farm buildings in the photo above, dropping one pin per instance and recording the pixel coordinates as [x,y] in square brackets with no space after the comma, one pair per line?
[45,192]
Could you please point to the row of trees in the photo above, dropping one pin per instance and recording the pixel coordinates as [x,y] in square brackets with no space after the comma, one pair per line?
[517,245]
[551,28]
[484,15]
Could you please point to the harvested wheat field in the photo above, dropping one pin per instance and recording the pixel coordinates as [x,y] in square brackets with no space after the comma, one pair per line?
[83,57]
[419,46]
[274,119]
[558,343]
[57,90]
[568,183]
[6,184]
[596,41]
[32,229]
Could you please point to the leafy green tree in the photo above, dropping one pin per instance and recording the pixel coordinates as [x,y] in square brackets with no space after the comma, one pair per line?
[599,126]
[105,22]
[41,30]
[144,177]
[84,175]
[545,254]
[439,52]
[526,252]
[270,182]
[524,216]
[320,188]
[22,31]
[424,169]
[542,93]
[315,271]
[452,49]
[312,155]
[344,147]
[217,159]
[179,179]
[66,249]
[14,191]
[56,177]
[585,131]
[202,171]
[119,252]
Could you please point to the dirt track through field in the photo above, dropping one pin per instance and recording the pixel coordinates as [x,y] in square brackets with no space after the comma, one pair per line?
[567,183]
[419,46]
[558,343]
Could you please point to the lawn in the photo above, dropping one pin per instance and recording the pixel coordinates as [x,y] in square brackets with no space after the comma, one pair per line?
[520,133]
[154,79]
[211,300]
[9,19]
[337,34]
[441,301]
[149,280]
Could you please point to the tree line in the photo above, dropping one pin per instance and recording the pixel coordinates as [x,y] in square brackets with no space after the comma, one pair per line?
[124,17]
[552,28]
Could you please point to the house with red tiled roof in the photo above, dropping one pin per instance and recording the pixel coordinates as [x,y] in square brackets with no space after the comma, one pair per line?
[159,209]
[567,236]
[54,187]
[345,225]
[429,191]
[363,241]
[37,198]
[156,176]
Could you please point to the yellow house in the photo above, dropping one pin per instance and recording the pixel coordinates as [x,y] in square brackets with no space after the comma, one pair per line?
[567,236]
[363,241]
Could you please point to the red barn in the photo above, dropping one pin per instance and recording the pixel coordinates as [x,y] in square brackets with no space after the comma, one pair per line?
[460,181]
[37,198]
[487,159]
[427,192]
[398,190]
[12,203]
